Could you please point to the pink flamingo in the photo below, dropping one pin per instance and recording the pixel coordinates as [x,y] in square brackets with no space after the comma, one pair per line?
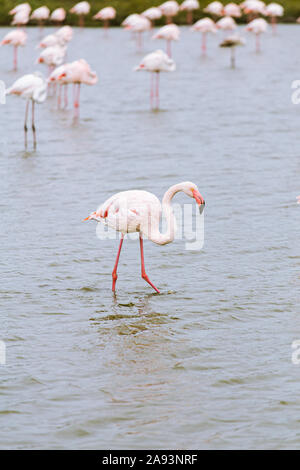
[189,6]
[81,9]
[140,211]
[169,9]
[78,72]
[52,56]
[106,14]
[169,32]
[226,23]
[21,18]
[204,26]
[257,27]
[156,62]
[41,15]
[152,14]
[32,87]
[138,24]
[57,76]
[274,10]
[58,15]
[214,8]
[233,10]
[16,38]
[253,8]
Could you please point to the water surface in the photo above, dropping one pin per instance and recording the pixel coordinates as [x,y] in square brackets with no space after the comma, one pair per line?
[206,364]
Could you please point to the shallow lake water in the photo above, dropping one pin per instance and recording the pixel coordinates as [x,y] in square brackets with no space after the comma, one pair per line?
[207,363]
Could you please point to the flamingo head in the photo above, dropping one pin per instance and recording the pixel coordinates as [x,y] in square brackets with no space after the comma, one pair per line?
[191,190]
[40,60]
[93,216]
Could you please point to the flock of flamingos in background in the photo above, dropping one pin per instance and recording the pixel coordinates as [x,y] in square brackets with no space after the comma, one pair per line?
[34,87]
[129,211]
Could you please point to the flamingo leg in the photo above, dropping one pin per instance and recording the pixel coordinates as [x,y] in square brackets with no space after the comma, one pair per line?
[144,275]
[33,126]
[25,123]
[15,58]
[59,97]
[169,51]
[157,90]
[203,43]
[151,90]
[114,273]
[257,43]
[66,96]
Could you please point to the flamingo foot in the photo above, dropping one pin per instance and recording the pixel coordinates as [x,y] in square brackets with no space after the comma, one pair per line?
[146,278]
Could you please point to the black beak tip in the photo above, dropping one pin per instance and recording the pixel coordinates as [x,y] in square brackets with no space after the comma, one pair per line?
[201,207]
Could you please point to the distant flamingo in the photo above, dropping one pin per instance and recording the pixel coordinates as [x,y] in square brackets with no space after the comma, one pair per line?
[77,73]
[257,27]
[204,26]
[21,18]
[156,62]
[140,211]
[57,76]
[41,15]
[233,10]
[138,24]
[298,199]
[169,9]
[226,24]
[189,6]
[81,9]
[16,39]
[214,8]
[21,7]
[58,15]
[152,14]
[64,34]
[106,14]
[232,42]
[32,87]
[274,10]
[169,32]
[253,8]
[52,56]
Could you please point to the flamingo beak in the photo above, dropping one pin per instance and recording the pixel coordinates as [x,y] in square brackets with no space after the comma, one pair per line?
[90,217]
[199,199]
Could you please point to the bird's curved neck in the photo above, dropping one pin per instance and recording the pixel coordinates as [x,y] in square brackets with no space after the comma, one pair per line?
[154,234]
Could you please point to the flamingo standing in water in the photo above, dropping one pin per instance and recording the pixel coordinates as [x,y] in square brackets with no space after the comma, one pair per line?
[204,26]
[169,32]
[21,14]
[226,23]
[58,15]
[106,14]
[16,39]
[169,9]
[152,14]
[156,62]
[77,73]
[214,8]
[138,24]
[81,9]
[140,211]
[233,10]
[32,87]
[57,76]
[41,15]
[21,18]
[274,10]
[52,56]
[189,6]
[257,27]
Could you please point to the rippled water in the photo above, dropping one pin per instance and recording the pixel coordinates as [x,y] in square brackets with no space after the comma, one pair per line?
[206,364]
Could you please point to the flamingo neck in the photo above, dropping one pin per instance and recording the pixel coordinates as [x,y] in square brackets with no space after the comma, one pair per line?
[154,234]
